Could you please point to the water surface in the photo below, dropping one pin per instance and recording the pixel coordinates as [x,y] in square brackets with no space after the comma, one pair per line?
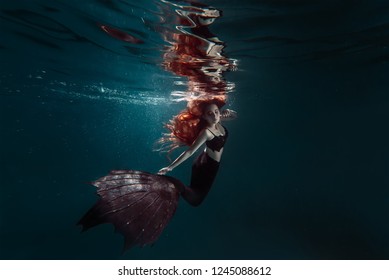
[305,172]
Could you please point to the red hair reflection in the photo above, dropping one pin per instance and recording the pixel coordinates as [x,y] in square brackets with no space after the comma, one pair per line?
[197,54]
[140,204]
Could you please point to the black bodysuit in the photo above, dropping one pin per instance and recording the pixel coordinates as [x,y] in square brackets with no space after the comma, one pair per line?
[140,204]
[204,170]
[217,142]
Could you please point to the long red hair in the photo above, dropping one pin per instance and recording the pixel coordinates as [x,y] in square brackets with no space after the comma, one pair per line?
[186,126]
[193,52]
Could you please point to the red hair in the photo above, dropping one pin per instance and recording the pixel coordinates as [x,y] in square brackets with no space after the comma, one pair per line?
[186,126]
[189,56]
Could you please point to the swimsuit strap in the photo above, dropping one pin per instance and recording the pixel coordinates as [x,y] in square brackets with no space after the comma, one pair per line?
[225,132]
[212,132]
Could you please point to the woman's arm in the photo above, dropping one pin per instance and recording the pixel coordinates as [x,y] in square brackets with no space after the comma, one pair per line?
[200,140]
[228,115]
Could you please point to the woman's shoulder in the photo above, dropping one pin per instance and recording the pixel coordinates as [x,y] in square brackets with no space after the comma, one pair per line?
[224,129]
[206,132]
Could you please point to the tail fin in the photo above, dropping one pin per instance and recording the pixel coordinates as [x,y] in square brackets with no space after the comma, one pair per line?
[137,203]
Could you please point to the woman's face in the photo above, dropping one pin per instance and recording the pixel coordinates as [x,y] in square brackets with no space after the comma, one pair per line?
[211,114]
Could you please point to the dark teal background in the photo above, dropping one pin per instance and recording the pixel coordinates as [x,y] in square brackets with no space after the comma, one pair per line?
[305,171]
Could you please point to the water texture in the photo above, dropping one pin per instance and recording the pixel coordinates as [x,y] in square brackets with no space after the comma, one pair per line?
[86,86]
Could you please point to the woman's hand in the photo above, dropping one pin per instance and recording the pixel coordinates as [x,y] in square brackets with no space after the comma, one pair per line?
[229,114]
[164,170]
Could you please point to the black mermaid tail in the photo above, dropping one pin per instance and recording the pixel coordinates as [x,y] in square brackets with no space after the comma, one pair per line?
[138,204]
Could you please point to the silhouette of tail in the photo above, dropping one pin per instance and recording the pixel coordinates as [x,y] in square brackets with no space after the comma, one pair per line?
[137,203]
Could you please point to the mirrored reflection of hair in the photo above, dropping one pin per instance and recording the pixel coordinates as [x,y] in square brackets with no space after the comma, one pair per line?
[196,53]
[140,204]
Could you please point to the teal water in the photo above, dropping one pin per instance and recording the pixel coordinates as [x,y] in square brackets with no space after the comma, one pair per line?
[305,171]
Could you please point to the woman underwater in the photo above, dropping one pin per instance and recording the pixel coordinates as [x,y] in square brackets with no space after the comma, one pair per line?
[205,168]
[140,204]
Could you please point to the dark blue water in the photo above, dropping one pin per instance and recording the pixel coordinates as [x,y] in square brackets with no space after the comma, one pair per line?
[305,172]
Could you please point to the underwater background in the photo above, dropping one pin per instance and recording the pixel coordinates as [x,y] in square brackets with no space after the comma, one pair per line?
[305,173]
